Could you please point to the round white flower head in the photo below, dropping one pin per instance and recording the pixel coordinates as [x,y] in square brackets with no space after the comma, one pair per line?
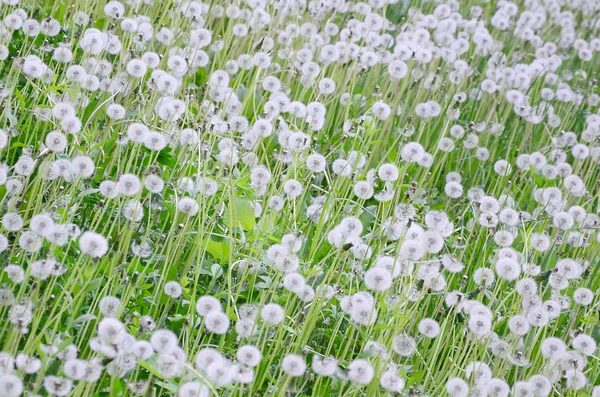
[207,304]
[57,385]
[248,355]
[541,385]
[188,206]
[378,279]
[207,356]
[584,344]
[429,328]
[173,289]
[518,325]
[10,385]
[404,345]
[129,185]
[583,296]
[109,306]
[216,322]
[553,348]
[272,314]
[93,244]
[360,371]
[163,341]
[497,387]
[478,371]
[194,389]
[294,282]
[293,365]
[456,387]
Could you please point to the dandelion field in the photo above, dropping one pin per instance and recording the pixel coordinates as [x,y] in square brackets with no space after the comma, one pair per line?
[291,198]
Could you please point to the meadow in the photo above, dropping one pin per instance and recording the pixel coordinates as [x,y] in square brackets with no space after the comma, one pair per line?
[299,198]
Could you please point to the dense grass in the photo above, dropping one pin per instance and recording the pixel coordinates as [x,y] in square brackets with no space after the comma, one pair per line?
[505,176]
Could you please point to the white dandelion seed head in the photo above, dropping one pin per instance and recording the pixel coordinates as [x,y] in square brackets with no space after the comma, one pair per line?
[293,364]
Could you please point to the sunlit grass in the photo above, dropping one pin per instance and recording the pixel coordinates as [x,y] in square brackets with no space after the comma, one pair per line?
[287,199]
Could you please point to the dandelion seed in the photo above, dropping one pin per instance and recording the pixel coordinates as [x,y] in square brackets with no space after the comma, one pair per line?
[583,296]
[480,325]
[57,385]
[163,341]
[216,322]
[360,371]
[584,344]
[109,306]
[324,366]
[457,387]
[508,269]
[249,355]
[404,345]
[272,314]
[576,380]
[173,289]
[378,279]
[478,371]
[93,244]
[10,385]
[293,365]
[142,350]
[518,325]
[128,185]
[193,389]
[29,365]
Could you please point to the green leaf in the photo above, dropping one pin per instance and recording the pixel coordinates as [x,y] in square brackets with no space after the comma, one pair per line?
[87,192]
[17,145]
[170,385]
[368,216]
[150,365]
[21,98]
[89,109]
[116,387]
[107,145]
[218,249]
[165,158]
[81,320]
[416,378]
[241,213]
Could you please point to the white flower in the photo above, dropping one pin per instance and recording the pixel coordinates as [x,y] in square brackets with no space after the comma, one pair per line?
[216,322]
[457,387]
[248,355]
[173,289]
[293,365]
[272,314]
[378,279]
[188,206]
[429,328]
[360,371]
[93,244]
[11,385]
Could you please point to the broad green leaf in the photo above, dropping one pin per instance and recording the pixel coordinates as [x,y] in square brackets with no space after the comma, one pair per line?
[218,249]
[240,214]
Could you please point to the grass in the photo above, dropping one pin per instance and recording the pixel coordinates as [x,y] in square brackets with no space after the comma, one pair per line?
[222,251]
